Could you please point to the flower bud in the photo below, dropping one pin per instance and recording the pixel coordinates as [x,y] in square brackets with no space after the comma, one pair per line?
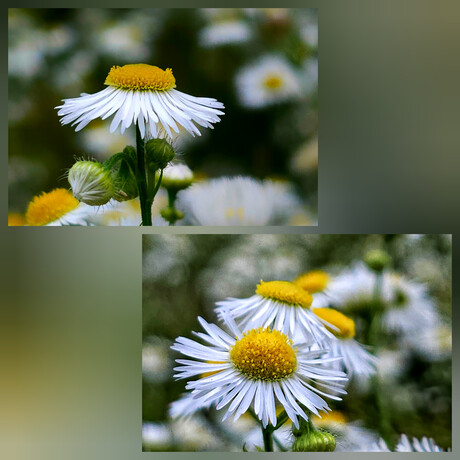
[91,183]
[314,441]
[177,177]
[159,153]
[123,176]
[171,214]
[377,260]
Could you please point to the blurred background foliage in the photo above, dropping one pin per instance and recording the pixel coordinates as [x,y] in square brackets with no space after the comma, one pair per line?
[60,53]
[184,275]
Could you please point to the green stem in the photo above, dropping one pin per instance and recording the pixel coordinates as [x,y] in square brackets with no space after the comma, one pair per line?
[268,439]
[141,176]
[374,340]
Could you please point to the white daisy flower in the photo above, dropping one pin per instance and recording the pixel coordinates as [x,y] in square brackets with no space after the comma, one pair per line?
[156,435]
[224,33]
[281,305]
[410,309]
[353,287]
[356,360]
[271,80]
[142,94]
[56,208]
[234,201]
[424,445]
[186,406]
[379,446]
[257,368]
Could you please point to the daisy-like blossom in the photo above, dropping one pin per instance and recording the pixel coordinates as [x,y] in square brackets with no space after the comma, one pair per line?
[224,33]
[281,305]
[256,369]
[156,435]
[352,287]
[234,201]
[145,95]
[423,445]
[271,80]
[410,310]
[356,360]
[56,208]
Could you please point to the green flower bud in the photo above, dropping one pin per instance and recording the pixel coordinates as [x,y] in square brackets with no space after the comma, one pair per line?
[177,177]
[158,153]
[91,183]
[377,260]
[121,167]
[171,214]
[314,441]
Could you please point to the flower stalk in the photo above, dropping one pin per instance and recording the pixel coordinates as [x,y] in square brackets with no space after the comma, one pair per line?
[141,175]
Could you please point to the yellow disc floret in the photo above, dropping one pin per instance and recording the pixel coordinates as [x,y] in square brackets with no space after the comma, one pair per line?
[48,207]
[141,77]
[344,324]
[264,354]
[285,292]
[273,82]
[314,281]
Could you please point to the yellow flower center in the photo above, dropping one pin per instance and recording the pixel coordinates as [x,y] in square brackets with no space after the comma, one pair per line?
[141,77]
[15,220]
[48,207]
[285,292]
[344,324]
[314,281]
[273,82]
[329,418]
[263,354]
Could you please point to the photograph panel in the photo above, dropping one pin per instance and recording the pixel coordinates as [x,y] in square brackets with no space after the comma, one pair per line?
[297,343]
[199,116]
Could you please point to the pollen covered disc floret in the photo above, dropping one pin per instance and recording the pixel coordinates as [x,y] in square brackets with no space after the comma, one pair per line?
[313,281]
[58,207]
[278,304]
[285,292]
[146,95]
[258,369]
[262,354]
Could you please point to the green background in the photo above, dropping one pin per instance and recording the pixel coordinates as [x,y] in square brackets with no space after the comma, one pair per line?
[389,162]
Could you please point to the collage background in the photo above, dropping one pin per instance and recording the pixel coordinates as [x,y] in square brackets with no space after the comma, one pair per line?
[389,163]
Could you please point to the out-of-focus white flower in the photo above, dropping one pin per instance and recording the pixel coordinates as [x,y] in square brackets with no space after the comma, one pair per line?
[310,75]
[309,34]
[271,80]
[224,33]
[423,445]
[156,366]
[391,363]
[156,436]
[433,343]
[236,201]
[411,310]
[194,434]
